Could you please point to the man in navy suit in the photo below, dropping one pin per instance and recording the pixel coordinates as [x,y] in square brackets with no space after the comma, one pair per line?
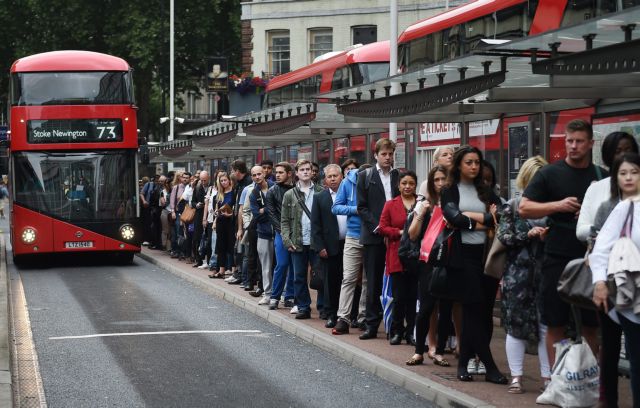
[376,186]
[325,227]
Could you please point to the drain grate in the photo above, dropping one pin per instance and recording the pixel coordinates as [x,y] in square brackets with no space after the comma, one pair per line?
[28,391]
[445,376]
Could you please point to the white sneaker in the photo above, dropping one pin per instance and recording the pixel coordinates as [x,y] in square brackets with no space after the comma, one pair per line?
[145,243]
[481,368]
[264,300]
[294,310]
[203,266]
[472,367]
[229,278]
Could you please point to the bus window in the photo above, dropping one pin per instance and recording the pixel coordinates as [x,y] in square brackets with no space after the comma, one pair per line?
[71,88]
[296,92]
[311,86]
[513,22]
[476,31]
[578,11]
[340,79]
[369,72]
[451,38]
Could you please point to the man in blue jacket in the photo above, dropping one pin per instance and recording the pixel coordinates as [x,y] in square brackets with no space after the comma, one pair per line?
[346,203]
[258,204]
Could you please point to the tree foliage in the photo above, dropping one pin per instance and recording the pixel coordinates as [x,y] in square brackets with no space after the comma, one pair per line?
[137,31]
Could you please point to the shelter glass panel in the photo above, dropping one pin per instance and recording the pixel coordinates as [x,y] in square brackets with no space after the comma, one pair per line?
[293,153]
[324,153]
[358,144]
[340,150]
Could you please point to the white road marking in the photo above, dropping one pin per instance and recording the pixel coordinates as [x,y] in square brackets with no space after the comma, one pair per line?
[89,336]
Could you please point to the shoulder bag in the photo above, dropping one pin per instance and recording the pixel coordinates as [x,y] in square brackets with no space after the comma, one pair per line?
[575,284]
[188,214]
[497,256]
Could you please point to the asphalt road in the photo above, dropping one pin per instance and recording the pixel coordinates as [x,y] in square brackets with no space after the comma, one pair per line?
[258,366]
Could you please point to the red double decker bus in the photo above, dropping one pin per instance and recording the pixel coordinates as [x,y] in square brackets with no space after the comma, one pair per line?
[73,156]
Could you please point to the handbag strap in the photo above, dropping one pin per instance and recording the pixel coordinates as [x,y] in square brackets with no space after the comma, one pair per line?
[301,201]
[628,223]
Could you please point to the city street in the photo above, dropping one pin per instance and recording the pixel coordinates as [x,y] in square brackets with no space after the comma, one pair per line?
[139,336]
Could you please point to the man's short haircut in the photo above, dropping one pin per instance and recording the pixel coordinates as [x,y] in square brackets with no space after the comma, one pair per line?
[314,164]
[267,162]
[301,163]
[239,165]
[332,166]
[186,173]
[364,167]
[286,165]
[580,125]
[386,144]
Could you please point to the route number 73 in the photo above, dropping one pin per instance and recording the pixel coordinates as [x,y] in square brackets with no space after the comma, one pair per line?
[110,132]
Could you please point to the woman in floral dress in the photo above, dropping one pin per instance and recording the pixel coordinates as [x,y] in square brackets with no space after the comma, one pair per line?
[523,238]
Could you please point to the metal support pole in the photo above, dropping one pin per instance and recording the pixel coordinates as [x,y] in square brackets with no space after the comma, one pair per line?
[171,72]
[393,58]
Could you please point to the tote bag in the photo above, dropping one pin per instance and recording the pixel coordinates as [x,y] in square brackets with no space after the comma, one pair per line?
[436,225]
[188,214]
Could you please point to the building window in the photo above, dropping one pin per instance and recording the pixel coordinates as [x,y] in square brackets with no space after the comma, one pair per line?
[320,42]
[364,34]
[278,50]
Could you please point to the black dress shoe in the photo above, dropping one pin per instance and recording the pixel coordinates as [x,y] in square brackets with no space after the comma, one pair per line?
[496,377]
[303,315]
[323,316]
[410,340]
[342,327]
[395,340]
[256,293]
[331,323]
[248,288]
[368,334]
[463,375]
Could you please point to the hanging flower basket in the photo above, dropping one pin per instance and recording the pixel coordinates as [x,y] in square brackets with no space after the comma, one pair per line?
[246,84]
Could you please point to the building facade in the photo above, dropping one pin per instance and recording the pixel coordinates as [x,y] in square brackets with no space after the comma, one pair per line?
[279,36]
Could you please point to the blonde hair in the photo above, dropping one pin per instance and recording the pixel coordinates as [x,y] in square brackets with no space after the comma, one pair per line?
[528,170]
[220,196]
[176,178]
[438,152]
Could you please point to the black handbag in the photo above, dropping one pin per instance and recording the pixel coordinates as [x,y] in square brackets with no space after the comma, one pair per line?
[410,250]
[575,285]
[441,250]
[318,274]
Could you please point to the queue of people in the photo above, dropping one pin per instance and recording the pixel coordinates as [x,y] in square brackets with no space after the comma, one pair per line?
[276,231]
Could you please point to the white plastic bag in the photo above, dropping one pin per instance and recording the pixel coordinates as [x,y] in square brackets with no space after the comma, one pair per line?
[575,379]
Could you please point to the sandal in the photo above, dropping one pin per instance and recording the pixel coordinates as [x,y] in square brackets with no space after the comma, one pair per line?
[516,386]
[414,361]
[439,360]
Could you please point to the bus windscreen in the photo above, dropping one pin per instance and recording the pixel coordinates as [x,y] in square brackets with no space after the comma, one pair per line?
[71,88]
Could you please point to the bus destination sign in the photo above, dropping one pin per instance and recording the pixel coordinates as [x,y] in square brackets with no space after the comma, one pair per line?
[74,131]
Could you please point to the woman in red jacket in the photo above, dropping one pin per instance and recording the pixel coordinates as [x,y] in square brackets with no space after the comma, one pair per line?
[404,283]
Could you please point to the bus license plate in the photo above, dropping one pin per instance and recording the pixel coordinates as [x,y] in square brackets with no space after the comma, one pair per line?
[79,244]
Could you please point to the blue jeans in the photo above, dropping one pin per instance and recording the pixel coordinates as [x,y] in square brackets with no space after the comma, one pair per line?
[300,262]
[283,259]
[213,261]
[632,344]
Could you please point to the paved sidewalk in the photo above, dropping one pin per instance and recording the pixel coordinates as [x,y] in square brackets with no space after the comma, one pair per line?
[6,394]
[434,383]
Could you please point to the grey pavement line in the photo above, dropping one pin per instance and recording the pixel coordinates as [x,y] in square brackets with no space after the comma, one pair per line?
[6,393]
[432,391]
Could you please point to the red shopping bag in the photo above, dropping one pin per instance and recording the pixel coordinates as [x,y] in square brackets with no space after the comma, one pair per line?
[435,227]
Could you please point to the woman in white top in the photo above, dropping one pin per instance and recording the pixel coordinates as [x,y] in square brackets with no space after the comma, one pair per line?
[598,194]
[614,145]
[599,261]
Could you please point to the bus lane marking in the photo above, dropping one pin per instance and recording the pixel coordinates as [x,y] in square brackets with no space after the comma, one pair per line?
[90,336]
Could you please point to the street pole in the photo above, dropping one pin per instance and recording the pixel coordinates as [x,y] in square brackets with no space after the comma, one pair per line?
[171,72]
[393,59]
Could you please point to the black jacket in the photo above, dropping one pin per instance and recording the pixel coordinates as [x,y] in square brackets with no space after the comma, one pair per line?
[371,200]
[237,192]
[274,203]
[324,225]
[198,196]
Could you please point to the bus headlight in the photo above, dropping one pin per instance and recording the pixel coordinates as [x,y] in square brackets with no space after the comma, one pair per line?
[127,232]
[28,235]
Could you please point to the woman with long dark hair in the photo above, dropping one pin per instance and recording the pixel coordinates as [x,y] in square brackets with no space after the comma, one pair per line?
[469,207]
[436,180]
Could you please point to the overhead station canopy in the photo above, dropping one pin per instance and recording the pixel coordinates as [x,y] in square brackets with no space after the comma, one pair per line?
[567,68]
[286,124]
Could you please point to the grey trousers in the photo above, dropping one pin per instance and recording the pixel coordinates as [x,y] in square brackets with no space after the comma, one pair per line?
[265,254]
[352,266]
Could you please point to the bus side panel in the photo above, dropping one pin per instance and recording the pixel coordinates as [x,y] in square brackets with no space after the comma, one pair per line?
[548,16]
[43,225]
